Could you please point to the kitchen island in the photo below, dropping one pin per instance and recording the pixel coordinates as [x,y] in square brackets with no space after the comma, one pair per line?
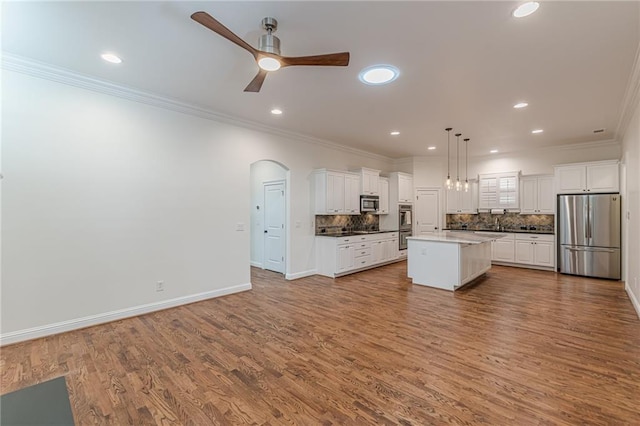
[449,260]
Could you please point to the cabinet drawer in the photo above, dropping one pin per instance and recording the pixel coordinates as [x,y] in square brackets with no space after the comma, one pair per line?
[346,240]
[362,261]
[360,252]
[535,237]
[360,246]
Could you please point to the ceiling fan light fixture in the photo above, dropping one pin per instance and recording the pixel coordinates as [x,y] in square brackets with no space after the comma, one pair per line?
[526,9]
[268,63]
[378,74]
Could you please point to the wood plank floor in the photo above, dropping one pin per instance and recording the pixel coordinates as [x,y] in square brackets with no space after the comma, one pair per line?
[520,347]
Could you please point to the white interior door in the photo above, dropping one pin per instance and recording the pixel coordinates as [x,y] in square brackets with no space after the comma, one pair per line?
[427,211]
[274,232]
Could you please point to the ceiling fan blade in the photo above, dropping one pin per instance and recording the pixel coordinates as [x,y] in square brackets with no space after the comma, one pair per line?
[257,81]
[331,59]
[210,22]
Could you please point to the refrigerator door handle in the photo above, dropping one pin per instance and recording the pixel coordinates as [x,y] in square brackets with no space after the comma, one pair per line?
[598,249]
[588,222]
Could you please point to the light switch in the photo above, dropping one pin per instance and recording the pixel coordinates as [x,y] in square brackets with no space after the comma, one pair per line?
[239,226]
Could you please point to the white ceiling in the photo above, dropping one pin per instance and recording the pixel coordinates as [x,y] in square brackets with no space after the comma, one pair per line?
[463,64]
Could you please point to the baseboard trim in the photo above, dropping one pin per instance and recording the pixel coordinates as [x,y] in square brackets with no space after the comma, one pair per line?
[256,264]
[301,274]
[78,323]
[634,300]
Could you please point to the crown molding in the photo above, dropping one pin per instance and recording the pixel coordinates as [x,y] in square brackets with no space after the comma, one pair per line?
[631,98]
[34,68]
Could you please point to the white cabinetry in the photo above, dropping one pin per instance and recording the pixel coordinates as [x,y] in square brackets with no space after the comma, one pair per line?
[369,181]
[345,257]
[383,188]
[599,176]
[342,255]
[405,188]
[534,249]
[499,191]
[336,192]
[400,188]
[503,249]
[536,195]
[459,202]
[351,193]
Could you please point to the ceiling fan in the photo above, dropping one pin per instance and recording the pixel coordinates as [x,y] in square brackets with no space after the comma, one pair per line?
[267,55]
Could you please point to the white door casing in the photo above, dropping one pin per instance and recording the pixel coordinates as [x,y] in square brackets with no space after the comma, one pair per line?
[274,232]
[427,211]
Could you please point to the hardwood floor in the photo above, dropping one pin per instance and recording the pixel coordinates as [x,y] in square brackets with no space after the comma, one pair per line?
[519,347]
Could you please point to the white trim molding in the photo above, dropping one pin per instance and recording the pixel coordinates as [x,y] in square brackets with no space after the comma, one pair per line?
[632,297]
[78,323]
[302,274]
[256,264]
[46,71]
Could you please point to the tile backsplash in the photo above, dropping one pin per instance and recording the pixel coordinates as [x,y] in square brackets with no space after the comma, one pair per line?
[540,222]
[329,224]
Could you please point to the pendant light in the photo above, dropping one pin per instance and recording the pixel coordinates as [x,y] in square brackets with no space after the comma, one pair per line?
[447,183]
[458,184]
[466,166]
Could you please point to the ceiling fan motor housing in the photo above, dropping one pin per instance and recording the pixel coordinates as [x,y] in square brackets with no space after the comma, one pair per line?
[268,42]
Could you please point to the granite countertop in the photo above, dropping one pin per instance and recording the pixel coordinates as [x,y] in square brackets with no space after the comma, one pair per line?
[458,237]
[514,230]
[351,233]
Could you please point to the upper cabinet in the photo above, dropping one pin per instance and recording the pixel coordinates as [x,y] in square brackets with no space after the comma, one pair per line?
[459,202]
[536,194]
[400,187]
[405,188]
[336,192]
[599,176]
[499,191]
[383,188]
[369,179]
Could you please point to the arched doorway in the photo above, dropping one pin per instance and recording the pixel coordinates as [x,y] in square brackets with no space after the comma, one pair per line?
[269,215]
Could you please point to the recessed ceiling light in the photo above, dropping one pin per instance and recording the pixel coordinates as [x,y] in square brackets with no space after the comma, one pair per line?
[394,133]
[110,57]
[276,111]
[493,151]
[269,64]
[521,105]
[431,148]
[378,74]
[526,9]
[537,131]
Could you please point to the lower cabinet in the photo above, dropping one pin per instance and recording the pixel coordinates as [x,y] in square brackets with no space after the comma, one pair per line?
[343,255]
[502,250]
[535,250]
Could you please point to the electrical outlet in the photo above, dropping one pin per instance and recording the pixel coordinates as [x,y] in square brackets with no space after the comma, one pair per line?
[160,286]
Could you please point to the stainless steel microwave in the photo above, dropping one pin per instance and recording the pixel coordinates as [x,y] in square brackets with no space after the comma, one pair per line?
[369,203]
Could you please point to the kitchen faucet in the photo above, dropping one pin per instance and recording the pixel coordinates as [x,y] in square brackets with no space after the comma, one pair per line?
[498,226]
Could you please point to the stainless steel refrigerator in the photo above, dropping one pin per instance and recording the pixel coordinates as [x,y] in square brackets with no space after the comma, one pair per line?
[589,235]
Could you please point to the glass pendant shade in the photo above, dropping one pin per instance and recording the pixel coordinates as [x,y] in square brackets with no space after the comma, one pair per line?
[448,184]
[458,183]
[466,166]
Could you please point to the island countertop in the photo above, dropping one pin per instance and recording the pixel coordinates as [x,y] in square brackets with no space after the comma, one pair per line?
[458,237]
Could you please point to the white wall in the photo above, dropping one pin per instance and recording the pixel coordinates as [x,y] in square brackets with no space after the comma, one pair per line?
[631,207]
[102,197]
[261,172]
